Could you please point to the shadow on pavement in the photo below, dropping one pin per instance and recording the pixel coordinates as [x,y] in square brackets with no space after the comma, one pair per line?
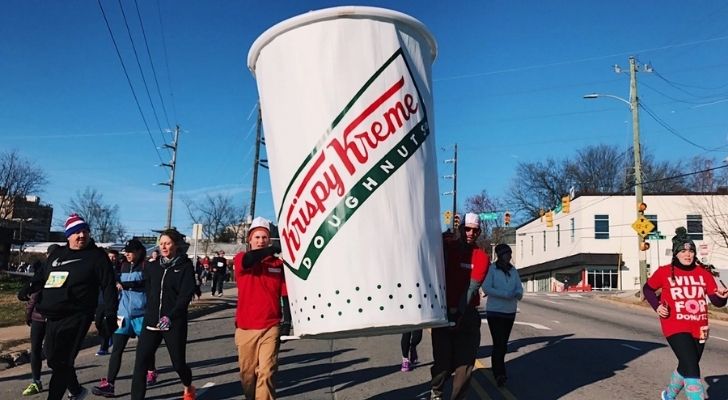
[717,386]
[301,380]
[566,364]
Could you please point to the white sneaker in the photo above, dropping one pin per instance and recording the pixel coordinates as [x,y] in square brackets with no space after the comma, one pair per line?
[80,396]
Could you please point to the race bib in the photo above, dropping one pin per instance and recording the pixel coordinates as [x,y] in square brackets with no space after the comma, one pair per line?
[56,279]
[219,264]
[120,320]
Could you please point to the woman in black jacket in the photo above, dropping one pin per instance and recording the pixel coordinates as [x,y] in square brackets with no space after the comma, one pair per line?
[170,286]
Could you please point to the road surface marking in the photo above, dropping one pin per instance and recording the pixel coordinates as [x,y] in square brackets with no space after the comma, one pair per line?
[719,338]
[201,391]
[631,347]
[574,295]
[531,324]
[552,295]
[488,375]
[556,322]
[551,301]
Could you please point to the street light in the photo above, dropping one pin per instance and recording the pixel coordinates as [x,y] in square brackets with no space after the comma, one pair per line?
[633,104]
[21,220]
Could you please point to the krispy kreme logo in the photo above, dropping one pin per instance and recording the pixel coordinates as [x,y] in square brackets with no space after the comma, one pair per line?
[376,133]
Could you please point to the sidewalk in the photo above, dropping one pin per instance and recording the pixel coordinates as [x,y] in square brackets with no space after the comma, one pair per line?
[15,340]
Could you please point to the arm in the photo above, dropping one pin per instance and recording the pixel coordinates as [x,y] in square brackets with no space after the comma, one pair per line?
[491,290]
[651,296]
[186,291]
[518,292]
[717,300]
[107,281]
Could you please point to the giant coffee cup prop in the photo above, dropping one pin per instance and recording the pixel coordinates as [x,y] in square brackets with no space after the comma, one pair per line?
[346,101]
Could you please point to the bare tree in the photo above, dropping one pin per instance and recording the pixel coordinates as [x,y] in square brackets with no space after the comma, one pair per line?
[709,177]
[221,220]
[18,178]
[597,169]
[538,186]
[102,218]
[714,209]
[483,203]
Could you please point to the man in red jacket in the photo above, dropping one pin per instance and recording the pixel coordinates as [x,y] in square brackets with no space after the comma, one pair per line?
[454,348]
[260,282]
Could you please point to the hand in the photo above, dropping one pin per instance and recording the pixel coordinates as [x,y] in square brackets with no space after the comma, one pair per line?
[29,322]
[663,311]
[722,293]
[164,323]
[119,287]
[23,295]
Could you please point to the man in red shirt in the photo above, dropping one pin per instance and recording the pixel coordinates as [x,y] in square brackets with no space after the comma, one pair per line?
[454,348]
[260,282]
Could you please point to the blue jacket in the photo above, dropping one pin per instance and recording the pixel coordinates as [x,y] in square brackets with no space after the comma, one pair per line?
[503,290]
[133,298]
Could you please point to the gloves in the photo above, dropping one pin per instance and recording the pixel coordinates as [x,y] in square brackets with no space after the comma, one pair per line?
[164,323]
[23,293]
[285,328]
[106,326]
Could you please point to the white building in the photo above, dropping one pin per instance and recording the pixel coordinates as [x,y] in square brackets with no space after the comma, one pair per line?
[594,247]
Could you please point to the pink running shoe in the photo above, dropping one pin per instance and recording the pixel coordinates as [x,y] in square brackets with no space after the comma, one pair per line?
[151,378]
[406,367]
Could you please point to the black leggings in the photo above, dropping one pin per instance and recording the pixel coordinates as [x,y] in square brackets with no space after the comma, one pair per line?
[410,340]
[217,282]
[120,342]
[37,333]
[688,351]
[63,341]
[176,340]
[500,330]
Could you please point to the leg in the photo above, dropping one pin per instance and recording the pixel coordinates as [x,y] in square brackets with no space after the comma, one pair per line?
[37,331]
[416,339]
[247,343]
[442,358]
[146,347]
[404,344]
[688,352]
[465,349]
[265,387]
[63,341]
[120,342]
[500,330]
[176,341]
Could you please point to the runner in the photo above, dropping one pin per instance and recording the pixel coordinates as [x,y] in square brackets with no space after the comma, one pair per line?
[683,313]
[132,301]
[170,286]
[409,342]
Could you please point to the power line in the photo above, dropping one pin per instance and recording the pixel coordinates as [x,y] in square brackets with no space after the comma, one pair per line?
[151,63]
[141,71]
[671,129]
[126,74]
[166,62]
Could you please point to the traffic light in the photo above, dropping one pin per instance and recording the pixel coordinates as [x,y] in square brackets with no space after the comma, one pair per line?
[507,218]
[456,221]
[565,204]
[448,217]
[550,219]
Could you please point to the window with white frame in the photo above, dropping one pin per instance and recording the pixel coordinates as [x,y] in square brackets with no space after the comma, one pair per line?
[601,226]
[573,230]
[695,227]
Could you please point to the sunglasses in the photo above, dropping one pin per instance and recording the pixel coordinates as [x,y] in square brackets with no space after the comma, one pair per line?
[469,229]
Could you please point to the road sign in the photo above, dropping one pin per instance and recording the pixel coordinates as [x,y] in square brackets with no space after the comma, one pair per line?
[643,226]
[489,216]
[196,231]
[656,235]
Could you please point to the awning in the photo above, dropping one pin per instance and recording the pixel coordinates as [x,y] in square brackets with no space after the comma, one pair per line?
[581,259]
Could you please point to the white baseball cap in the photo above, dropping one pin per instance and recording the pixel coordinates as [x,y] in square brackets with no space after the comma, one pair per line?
[472,220]
[259,222]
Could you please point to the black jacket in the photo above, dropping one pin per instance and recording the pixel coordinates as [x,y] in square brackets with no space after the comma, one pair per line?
[218,265]
[170,288]
[72,280]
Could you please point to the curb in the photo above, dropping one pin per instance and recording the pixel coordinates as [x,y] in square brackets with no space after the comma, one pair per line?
[16,358]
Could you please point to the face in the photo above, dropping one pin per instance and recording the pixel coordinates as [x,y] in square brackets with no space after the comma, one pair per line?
[155,254]
[134,256]
[686,256]
[167,248]
[471,233]
[112,258]
[258,239]
[78,240]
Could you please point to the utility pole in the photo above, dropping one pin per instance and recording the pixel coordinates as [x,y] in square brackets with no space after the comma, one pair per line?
[634,105]
[256,162]
[173,167]
[454,191]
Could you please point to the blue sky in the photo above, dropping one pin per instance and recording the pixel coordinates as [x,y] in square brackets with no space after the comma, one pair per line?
[508,87]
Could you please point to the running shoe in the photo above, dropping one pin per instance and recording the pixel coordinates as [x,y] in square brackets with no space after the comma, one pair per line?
[102,352]
[189,394]
[33,388]
[665,396]
[82,394]
[413,355]
[406,367]
[105,389]
[219,294]
[151,378]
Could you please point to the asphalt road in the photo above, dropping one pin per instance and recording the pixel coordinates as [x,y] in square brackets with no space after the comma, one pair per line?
[562,347]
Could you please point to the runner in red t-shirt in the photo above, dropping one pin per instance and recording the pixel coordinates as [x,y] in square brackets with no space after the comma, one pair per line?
[685,288]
